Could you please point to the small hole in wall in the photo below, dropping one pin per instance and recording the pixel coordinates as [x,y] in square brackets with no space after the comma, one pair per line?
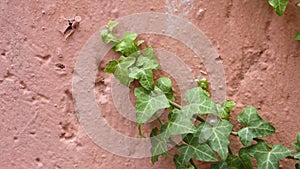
[38,159]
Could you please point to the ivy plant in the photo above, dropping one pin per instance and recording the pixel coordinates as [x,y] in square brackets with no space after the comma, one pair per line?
[279,7]
[203,125]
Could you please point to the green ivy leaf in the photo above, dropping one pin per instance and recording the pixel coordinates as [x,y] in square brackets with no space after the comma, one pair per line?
[180,123]
[297,155]
[111,66]
[140,42]
[143,69]
[266,158]
[194,149]
[145,77]
[297,37]
[147,60]
[159,145]
[127,46]
[219,138]
[197,97]
[279,6]
[111,25]
[203,83]
[243,161]
[121,69]
[224,109]
[297,144]
[219,165]
[180,165]
[107,35]
[165,84]
[228,105]
[148,102]
[256,126]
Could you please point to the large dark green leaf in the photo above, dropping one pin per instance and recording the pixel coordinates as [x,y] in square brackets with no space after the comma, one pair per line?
[255,126]
[144,76]
[180,123]
[242,161]
[203,103]
[194,149]
[219,139]
[121,69]
[219,165]
[159,145]
[266,158]
[180,165]
[149,102]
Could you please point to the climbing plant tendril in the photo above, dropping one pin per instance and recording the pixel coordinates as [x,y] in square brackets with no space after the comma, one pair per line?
[201,140]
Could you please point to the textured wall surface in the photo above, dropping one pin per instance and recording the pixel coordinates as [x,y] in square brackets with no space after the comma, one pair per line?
[38,125]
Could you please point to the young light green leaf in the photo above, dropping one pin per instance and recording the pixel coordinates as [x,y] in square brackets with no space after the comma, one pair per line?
[148,102]
[165,84]
[219,165]
[121,70]
[196,150]
[228,105]
[144,76]
[297,144]
[297,37]
[127,46]
[198,97]
[107,35]
[111,66]
[130,36]
[140,42]
[159,145]
[279,6]
[219,138]
[255,126]
[266,158]
[222,112]
[147,60]
[111,25]
[203,83]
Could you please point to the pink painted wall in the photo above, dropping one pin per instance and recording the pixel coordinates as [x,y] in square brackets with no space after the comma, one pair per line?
[38,125]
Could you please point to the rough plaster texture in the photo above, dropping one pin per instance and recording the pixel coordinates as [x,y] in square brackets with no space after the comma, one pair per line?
[38,125]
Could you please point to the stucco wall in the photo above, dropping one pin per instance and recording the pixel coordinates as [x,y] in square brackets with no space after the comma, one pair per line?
[38,125]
